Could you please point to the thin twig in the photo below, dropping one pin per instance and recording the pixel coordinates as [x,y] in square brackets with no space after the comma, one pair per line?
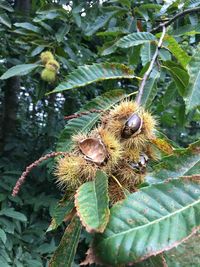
[82,113]
[147,73]
[22,178]
[156,20]
[177,16]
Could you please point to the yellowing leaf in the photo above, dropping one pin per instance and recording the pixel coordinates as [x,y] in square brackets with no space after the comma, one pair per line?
[163,145]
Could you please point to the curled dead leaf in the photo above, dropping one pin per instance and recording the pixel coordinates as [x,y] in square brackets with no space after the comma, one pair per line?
[90,258]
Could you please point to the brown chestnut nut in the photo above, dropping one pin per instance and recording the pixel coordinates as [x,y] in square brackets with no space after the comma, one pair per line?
[132,126]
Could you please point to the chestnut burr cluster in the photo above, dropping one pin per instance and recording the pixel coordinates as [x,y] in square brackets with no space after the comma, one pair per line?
[120,146]
[51,67]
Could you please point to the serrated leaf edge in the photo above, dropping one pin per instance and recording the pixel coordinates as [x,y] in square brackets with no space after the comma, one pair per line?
[87,227]
[175,244]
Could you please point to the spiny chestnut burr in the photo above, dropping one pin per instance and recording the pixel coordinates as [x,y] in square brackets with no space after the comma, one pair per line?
[120,146]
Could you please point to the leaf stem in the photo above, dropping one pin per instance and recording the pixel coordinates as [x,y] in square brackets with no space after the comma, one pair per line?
[162,25]
[147,73]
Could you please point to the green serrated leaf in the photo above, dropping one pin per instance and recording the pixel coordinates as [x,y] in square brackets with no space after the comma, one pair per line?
[46,15]
[88,74]
[91,201]
[180,76]
[187,30]
[10,212]
[108,49]
[179,164]
[99,23]
[81,124]
[147,53]
[85,123]
[3,236]
[193,91]
[135,39]
[148,222]
[164,54]
[5,20]
[126,3]
[64,254]
[185,254]
[8,225]
[150,89]
[19,70]
[27,26]
[150,6]
[37,50]
[60,212]
[153,261]
[169,95]
[113,31]
[6,6]
[134,55]
[192,3]
[177,51]
[62,32]
[3,263]
[77,18]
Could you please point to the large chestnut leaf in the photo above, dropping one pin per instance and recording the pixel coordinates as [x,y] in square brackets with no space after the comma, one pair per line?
[64,254]
[19,70]
[62,210]
[135,38]
[192,98]
[150,221]
[88,74]
[150,90]
[182,162]
[91,201]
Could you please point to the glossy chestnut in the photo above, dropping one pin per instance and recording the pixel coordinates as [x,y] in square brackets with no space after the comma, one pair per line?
[132,126]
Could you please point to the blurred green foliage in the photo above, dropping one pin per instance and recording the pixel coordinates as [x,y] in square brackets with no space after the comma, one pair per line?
[77,33]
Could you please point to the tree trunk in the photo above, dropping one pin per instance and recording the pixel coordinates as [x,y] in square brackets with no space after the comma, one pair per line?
[23,6]
[11,90]
[9,126]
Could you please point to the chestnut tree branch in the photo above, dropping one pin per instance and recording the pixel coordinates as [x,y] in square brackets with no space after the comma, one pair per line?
[162,25]
[147,73]
[177,16]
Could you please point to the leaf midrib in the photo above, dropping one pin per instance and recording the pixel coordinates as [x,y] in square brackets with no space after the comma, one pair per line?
[170,70]
[96,204]
[75,239]
[154,222]
[92,81]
